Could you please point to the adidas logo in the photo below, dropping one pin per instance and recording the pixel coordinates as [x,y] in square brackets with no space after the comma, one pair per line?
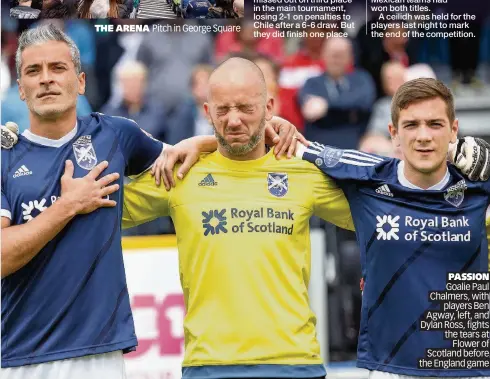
[384,190]
[208,181]
[22,171]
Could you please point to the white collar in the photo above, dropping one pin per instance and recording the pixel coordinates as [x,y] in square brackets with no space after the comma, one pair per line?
[404,181]
[50,142]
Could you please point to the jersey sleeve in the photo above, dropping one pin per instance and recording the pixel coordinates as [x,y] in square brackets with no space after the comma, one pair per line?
[330,203]
[5,212]
[144,201]
[139,148]
[341,165]
[485,185]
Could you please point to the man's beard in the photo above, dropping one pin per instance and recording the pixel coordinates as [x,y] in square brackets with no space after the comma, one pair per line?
[242,150]
[51,113]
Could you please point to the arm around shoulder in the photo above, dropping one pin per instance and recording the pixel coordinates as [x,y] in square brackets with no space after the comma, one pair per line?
[144,201]
[330,203]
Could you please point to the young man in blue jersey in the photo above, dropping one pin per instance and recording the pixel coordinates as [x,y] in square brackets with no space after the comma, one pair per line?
[416,220]
[65,305]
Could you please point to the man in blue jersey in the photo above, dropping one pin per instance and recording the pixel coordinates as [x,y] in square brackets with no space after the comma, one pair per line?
[416,220]
[65,304]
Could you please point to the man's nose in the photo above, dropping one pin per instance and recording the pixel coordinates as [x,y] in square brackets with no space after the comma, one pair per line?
[46,76]
[423,133]
[234,118]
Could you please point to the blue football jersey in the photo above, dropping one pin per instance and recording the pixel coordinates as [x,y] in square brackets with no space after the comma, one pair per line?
[409,240]
[71,300]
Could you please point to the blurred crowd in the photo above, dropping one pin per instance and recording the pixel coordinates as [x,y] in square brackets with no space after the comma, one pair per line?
[122,9]
[72,9]
[209,9]
[335,91]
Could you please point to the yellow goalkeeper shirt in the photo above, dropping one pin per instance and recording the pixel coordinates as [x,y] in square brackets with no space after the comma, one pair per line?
[244,258]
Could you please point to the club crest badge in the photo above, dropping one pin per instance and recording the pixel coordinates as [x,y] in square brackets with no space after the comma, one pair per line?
[455,194]
[277,184]
[332,156]
[85,153]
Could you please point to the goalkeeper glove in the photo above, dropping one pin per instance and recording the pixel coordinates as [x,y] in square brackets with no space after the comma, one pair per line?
[10,132]
[472,157]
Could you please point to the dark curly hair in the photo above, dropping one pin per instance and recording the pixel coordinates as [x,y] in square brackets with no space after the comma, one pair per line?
[59,9]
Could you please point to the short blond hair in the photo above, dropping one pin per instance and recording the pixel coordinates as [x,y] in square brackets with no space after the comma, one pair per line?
[131,68]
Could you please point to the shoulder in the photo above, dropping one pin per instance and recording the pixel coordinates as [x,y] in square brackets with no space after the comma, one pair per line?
[119,125]
[372,165]
[462,180]
[294,166]
[362,74]
[362,156]
[110,121]
[204,163]
[206,160]
[10,158]
[315,79]
[332,156]
[307,175]
[18,149]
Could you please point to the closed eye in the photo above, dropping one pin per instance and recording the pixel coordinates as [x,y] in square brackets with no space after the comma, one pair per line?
[246,108]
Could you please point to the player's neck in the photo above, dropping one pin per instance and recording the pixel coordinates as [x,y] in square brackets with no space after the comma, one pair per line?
[256,153]
[134,107]
[424,180]
[55,128]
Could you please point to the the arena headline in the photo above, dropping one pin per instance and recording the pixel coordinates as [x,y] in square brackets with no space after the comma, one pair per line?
[165,28]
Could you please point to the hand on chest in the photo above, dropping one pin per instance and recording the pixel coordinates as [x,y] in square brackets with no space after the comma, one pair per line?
[34,181]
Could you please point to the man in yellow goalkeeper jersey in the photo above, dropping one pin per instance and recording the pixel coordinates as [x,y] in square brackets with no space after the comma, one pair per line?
[241,219]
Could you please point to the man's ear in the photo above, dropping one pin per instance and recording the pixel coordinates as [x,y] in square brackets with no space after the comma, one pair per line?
[21,91]
[207,112]
[269,108]
[81,83]
[394,134]
[454,131]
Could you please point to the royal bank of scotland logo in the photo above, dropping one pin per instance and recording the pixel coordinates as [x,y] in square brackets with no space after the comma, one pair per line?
[84,152]
[277,184]
[35,206]
[214,222]
[387,227]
